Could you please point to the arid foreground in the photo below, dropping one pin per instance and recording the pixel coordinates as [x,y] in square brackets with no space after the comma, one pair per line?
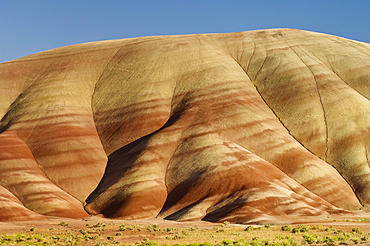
[268,126]
[151,232]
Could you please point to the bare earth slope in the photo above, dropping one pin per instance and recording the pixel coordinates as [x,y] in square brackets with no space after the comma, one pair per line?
[245,127]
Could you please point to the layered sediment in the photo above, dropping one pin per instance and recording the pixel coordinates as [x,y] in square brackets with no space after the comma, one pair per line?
[246,127]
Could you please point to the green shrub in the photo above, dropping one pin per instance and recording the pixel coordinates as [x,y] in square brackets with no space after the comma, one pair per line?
[100,224]
[206,244]
[356,240]
[241,242]
[249,228]
[303,228]
[310,239]
[285,243]
[365,238]
[286,228]
[254,243]
[177,236]
[357,230]
[155,227]
[63,223]
[148,243]
[295,230]
[328,240]
[227,243]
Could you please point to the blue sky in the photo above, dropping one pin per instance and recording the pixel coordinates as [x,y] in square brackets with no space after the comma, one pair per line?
[31,26]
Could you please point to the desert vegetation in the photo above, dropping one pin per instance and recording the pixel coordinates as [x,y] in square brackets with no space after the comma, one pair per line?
[113,233]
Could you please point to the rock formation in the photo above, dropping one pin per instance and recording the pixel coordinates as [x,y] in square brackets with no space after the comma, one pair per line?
[246,127]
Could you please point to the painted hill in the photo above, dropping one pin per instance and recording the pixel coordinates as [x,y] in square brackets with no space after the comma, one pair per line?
[246,127]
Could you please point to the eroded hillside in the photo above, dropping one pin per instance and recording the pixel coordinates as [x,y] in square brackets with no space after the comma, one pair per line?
[246,127]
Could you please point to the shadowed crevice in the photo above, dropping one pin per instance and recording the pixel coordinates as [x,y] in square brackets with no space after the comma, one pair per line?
[110,177]
[177,215]
[122,157]
[5,126]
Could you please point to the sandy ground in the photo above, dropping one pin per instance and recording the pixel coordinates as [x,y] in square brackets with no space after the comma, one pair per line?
[18,226]
[210,232]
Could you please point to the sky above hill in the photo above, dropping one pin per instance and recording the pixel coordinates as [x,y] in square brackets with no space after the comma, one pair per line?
[31,26]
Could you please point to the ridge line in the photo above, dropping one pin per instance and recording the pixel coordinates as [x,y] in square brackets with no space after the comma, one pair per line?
[100,76]
[94,91]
